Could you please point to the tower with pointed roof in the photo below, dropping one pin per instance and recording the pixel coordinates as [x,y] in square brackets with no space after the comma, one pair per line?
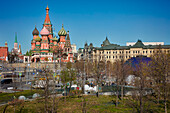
[67,46]
[17,51]
[16,42]
[48,25]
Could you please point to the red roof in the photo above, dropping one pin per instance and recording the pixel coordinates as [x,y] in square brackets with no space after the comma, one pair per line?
[47,18]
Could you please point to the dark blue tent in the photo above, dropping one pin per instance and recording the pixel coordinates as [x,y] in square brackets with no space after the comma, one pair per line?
[135,61]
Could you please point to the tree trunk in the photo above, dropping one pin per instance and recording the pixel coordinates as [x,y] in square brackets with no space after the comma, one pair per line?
[53,106]
[46,96]
[165,95]
[122,90]
[141,96]
[141,104]
[165,107]
[117,94]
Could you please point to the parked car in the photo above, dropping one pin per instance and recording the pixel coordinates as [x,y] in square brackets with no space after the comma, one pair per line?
[6,81]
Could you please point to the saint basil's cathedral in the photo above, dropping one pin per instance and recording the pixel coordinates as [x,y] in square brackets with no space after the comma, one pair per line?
[48,47]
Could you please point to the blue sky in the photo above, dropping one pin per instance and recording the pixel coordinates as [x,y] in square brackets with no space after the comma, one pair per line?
[87,20]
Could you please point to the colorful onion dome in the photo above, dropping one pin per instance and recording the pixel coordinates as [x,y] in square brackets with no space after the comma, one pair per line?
[37,39]
[44,31]
[35,32]
[62,32]
[55,38]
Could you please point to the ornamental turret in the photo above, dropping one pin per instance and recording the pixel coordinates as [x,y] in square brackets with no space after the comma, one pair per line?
[67,46]
[62,32]
[35,31]
[6,44]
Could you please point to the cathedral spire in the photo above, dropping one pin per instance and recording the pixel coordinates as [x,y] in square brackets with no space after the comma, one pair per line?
[47,18]
[68,37]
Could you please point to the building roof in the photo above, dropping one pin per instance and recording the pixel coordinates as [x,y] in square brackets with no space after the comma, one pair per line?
[55,38]
[138,44]
[35,32]
[106,42]
[38,39]
[16,38]
[47,18]
[44,31]
[62,32]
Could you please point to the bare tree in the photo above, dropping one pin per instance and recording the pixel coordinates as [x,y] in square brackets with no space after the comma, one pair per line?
[160,69]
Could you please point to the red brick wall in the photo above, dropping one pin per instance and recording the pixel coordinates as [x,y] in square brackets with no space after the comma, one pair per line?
[3,53]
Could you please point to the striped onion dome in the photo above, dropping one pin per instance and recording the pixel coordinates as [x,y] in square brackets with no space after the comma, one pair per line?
[62,32]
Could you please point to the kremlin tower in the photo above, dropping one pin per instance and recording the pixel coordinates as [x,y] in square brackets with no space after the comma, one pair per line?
[45,46]
[16,50]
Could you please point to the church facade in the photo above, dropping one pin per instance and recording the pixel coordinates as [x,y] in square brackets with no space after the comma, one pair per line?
[47,47]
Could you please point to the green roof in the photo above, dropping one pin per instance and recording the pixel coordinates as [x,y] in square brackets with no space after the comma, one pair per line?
[138,44]
[106,42]
[55,38]
[62,32]
[16,38]
[38,39]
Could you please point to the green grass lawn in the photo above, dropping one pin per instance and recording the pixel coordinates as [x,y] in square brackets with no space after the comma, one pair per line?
[5,97]
[92,104]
